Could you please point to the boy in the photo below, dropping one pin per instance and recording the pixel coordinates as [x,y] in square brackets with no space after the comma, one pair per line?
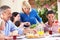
[51,24]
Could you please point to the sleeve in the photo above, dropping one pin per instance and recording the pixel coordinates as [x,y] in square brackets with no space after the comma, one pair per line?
[13,27]
[20,31]
[37,16]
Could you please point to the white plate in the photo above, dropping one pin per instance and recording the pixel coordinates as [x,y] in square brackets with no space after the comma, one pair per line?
[55,35]
[20,37]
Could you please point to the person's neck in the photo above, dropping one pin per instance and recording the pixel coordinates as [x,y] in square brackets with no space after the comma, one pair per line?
[50,23]
[14,22]
[27,13]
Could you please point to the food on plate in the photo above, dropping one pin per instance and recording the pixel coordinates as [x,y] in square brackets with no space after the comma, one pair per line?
[33,26]
[32,36]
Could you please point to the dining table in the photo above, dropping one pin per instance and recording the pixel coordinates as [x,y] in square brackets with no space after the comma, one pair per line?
[50,37]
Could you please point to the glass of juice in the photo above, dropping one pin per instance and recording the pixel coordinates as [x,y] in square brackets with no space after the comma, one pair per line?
[58,30]
[40,32]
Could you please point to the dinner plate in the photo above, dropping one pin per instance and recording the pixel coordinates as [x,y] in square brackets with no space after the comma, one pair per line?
[20,37]
[55,35]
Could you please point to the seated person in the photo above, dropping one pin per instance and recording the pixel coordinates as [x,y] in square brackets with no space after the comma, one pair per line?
[15,18]
[5,15]
[29,14]
[25,30]
[51,24]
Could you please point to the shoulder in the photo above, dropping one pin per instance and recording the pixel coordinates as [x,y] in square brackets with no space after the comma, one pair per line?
[46,23]
[10,22]
[33,9]
[22,13]
[56,21]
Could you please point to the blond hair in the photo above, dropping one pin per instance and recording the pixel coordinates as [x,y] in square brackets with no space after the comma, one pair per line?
[26,4]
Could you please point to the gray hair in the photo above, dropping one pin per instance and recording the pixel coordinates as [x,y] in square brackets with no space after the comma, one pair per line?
[2,8]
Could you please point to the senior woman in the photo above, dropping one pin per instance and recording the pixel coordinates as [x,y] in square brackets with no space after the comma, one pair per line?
[29,14]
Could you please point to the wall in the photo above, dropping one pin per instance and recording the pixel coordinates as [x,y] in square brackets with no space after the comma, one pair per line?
[58,11]
[15,5]
[0,2]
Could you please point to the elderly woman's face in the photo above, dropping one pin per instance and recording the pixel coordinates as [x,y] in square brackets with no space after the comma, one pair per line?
[26,10]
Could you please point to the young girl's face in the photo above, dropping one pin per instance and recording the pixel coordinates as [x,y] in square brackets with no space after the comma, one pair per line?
[2,26]
[17,18]
[50,17]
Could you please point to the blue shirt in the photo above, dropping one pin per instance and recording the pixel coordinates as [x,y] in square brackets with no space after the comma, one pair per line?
[11,27]
[20,31]
[31,17]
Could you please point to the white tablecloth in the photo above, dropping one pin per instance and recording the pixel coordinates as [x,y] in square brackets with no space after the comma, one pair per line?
[50,38]
[45,38]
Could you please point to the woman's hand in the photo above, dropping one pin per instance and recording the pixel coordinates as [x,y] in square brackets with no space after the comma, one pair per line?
[27,24]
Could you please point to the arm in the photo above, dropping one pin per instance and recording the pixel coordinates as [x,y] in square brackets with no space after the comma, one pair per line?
[13,29]
[16,30]
[37,17]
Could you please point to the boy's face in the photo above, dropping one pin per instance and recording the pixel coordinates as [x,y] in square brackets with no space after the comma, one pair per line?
[50,17]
